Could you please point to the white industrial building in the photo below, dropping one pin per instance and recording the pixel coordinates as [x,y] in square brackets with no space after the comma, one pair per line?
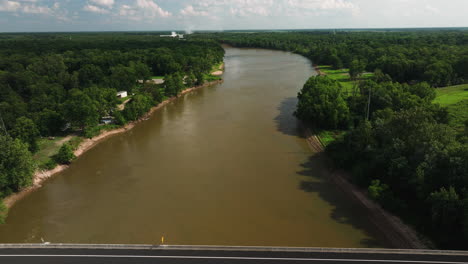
[173,35]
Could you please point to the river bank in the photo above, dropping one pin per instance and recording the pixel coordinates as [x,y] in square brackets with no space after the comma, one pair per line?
[87,144]
[392,227]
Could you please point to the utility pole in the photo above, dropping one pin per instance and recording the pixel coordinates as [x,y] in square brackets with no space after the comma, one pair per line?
[3,125]
[368,103]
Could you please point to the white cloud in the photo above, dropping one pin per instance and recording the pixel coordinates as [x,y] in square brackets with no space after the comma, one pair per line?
[24,6]
[34,7]
[432,9]
[143,9]
[321,4]
[152,9]
[264,8]
[95,9]
[190,11]
[9,6]
[106,3]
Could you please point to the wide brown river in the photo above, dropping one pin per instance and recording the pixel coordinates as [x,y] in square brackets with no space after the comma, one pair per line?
[224,165]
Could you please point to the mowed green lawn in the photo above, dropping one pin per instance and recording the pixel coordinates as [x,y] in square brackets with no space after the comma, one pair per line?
[342,75]
[452,94]
[47,148]
[455,98]
[50,147]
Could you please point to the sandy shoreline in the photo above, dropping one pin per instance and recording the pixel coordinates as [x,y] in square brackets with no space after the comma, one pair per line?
[392,227]
[220,70]
[87,144]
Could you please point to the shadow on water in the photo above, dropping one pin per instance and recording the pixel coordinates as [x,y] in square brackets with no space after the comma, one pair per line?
[316,180]
[345,211]
[285,121]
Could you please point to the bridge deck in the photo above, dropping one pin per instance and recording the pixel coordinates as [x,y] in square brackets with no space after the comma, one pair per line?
[73,253]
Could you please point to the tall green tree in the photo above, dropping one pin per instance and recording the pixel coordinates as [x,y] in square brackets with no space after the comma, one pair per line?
[356,68]
[16,165]
[322,104]
[80,110]
[25,130]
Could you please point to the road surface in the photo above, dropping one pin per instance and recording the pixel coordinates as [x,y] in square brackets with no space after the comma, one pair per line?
[120,254]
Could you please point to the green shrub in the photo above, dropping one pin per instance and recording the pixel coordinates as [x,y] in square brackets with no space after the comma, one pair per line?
[92,131]
[119,118]
[49,165]
[75,142]
[65,154]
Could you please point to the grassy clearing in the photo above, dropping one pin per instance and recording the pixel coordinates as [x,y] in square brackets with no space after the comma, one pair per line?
[342,75]
[458,114]
[50,147]
[122,100]
[47,148]
[210,78]
[452,94]
[328,136]
[455,98]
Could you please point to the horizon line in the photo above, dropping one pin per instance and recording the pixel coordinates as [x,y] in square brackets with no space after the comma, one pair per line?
[231,30]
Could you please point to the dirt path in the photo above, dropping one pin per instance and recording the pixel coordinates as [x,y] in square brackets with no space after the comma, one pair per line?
[64,140]
[398,233]
[121,106]
[319,72]
[87,144]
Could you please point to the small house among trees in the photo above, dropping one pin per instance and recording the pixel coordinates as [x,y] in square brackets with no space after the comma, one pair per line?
[122,94]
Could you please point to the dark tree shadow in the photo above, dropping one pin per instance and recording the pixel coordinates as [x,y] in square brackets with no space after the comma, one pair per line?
[317,180]
[346,211]
[285,121]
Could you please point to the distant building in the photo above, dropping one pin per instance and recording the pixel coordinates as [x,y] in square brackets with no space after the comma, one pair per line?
[122,94]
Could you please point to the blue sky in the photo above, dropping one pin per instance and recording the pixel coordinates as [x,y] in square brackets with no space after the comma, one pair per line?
[192,15]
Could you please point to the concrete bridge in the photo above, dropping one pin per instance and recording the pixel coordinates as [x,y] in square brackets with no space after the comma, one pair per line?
[169,254]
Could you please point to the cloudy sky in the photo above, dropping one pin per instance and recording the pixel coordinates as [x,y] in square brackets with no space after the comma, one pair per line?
[101,15]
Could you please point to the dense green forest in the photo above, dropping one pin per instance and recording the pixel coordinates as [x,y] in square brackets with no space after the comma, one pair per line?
[437,57]
[398,143]
[56,84]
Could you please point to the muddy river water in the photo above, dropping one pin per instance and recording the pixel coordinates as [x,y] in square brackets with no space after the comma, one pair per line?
[224,165]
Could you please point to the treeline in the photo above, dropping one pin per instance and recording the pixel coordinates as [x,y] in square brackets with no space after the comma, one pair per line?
[397,144]
[437,57]
[400,147]
[54,84]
